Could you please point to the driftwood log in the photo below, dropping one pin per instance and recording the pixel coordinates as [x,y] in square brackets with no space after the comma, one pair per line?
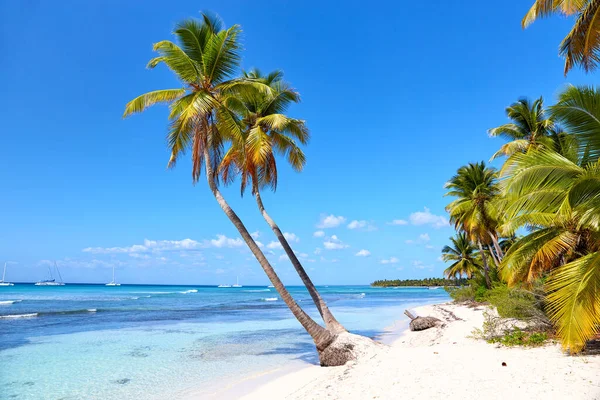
[422,323]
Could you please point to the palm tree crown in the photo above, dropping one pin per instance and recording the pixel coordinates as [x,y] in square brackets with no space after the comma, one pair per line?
[529,127]
[464,257]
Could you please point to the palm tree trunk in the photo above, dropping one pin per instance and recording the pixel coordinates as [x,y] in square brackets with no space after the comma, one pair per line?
[494,256]
[331,323]
[486,268]
[321,336]
[497,246]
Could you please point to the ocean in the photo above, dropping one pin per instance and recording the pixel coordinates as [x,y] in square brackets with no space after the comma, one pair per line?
[161,342]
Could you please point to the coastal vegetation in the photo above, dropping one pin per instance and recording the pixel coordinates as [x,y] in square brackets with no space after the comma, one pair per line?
[419,282]
[581,46]
[537,218]
[233,124]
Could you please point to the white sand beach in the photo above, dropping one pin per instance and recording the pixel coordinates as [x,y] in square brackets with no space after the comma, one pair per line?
[443,363]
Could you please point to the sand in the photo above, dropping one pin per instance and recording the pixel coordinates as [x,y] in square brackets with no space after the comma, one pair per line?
[445,363]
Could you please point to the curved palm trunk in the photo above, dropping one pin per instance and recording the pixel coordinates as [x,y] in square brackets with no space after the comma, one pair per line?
[321,336]
[497,246]
[331,323]
[494,256]
[486,268]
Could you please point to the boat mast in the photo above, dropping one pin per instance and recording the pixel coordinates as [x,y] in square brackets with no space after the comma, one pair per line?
[58,272]
[113,274]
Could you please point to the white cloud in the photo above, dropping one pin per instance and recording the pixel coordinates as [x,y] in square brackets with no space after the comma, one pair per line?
[398,222]
[423,238]
[317,250]
[363,253]
[274,245]
[319,234]
[259,244]
[255,235]
[139,256]
[420,265]
[284,257]
[291,237]
[224,241]
[362,224]
[391,260]
[330,221]
[357,224]
[168,245]
[219,271]
[75,263]
[427,218]
[333,243]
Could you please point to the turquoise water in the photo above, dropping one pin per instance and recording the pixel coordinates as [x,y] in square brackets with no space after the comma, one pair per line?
[158,342]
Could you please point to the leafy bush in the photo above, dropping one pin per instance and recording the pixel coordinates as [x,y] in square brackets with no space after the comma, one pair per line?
[520,338]
[515,302]
[464,293]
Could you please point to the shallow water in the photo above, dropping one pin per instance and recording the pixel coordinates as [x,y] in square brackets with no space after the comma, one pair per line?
[152,342]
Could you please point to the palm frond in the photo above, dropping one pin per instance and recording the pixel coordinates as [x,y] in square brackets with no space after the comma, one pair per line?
[574,301]
[177,61]
[146,100]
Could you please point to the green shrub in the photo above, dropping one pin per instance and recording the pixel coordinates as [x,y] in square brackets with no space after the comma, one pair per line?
[463,293]
[520,338]
[514,302]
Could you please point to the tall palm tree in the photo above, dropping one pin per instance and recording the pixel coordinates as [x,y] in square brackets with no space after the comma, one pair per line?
[581,46]
[464,257]
[530,127]
[560,201]
[269,132]
[204,61]
[475,209]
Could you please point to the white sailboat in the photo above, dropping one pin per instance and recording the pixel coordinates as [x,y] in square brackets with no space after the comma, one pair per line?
[2,282]
[113,283]
[224,286]
[237,282]
[52,281]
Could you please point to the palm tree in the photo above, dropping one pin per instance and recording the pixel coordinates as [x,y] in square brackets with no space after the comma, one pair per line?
[204,61]
[530,128]
[578,111]
[581,46]
[267,132]
[560,201]
[464,257]
[475,209]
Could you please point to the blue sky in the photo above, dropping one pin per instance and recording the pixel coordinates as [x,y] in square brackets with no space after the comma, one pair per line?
[397,96]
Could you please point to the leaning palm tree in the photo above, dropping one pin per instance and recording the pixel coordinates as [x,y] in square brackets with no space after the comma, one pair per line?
[475,210]
[464,257]
[560,201]
[581,46]
[204,62]
[529,127]
[268,132]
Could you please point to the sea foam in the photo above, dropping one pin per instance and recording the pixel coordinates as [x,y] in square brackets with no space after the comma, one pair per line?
[32,315]
[8,302]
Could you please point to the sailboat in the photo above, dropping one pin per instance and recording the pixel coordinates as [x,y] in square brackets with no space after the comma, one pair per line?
[237,282]
[52,281]
[113,283]
[2,282]
[224,286]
